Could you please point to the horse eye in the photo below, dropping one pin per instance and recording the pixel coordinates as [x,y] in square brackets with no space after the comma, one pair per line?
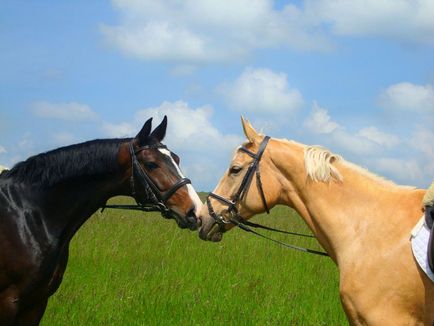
[151,166]
[235,169]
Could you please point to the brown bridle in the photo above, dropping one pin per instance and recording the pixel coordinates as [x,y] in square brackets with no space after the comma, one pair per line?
[236,219]
[243,189]
[154,198]
[154,194]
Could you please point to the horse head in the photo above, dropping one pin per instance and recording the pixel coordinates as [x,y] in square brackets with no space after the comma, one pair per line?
[155,176]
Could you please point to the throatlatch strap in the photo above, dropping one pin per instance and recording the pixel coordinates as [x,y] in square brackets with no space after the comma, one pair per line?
[253,168]
[261,190]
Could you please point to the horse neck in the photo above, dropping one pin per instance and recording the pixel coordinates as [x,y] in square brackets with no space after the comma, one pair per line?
[71,204]
[66,205]
[349,215]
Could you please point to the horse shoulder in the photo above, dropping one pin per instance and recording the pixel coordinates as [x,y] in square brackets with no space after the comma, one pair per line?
[29,257]
[386,284]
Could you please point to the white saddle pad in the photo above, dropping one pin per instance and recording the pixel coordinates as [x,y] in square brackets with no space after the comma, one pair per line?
[419,244]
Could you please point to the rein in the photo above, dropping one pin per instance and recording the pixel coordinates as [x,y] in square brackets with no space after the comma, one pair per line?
[155,199]
[236,219]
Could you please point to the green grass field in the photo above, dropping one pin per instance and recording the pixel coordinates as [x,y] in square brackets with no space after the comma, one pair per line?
[133,268]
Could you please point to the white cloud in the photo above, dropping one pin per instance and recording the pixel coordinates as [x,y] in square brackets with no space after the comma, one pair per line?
[188,128]
[407,161]
[191,134]
[262,91]
[70,111]
[64,138]
[198,31]
[353,143]
[409,97]
[379,137]
[119,130]
[3,150]
[157,40]
[410,21]
[367,141]
[402,170]
[319,121]
[202,31]
[423,141]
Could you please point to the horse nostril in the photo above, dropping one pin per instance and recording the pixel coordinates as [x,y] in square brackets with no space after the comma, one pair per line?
[191,218]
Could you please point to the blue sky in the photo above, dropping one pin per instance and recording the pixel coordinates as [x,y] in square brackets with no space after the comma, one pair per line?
[354,76]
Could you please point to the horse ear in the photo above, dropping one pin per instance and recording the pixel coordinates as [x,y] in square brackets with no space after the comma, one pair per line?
[143,134]
[160,131]
[249,131]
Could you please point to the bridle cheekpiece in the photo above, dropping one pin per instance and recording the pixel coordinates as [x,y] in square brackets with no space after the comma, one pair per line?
[236,219]
[155,199]
[234,216]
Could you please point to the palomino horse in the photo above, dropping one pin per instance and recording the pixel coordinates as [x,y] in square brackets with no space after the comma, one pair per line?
[363,222]
[45,199]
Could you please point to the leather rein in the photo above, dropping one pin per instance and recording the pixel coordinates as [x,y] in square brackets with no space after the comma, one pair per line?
[154,199]
[236,219]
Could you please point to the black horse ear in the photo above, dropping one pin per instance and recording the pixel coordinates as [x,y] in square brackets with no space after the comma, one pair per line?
[143,134]
[160,131]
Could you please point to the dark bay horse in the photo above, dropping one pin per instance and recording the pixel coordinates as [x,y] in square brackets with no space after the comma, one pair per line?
[45,199]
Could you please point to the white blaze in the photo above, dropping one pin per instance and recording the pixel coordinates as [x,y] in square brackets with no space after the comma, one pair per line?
[191,192]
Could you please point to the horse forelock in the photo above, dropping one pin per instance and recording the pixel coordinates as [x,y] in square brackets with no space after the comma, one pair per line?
[319,164]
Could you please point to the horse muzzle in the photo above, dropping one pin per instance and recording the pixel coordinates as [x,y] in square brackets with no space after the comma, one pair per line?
[213,233]
[189,220]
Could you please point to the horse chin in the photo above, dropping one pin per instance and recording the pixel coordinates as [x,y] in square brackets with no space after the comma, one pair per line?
[184,221]
[215,234]
[181,223]
[216,237]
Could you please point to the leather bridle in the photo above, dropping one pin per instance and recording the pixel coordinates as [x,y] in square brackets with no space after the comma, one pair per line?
[153,199]
[242,190]
[236,219]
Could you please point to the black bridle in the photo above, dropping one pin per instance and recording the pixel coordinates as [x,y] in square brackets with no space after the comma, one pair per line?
[242,190]
[235,218]
[154,198]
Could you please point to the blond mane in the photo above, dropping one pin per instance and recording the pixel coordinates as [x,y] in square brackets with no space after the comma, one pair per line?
[318,162]
[319,167]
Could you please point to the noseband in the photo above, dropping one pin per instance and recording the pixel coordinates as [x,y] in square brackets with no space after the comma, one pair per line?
[153,194]
[242,190]
[154,199]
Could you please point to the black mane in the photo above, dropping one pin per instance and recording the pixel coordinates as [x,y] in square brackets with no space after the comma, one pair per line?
[90,159]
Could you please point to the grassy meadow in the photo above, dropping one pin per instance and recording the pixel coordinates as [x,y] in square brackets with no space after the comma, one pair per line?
[133,268]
